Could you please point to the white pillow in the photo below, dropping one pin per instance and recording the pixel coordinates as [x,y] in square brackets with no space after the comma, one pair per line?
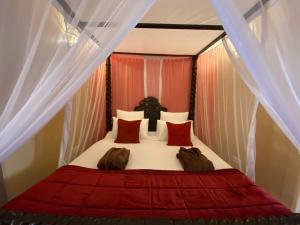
[174,117]
[114,130]
[162,129]
[130,115]
[143,128]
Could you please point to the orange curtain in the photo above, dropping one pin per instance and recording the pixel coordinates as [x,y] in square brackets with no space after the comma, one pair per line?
[135,77]
[153,76]
[176,84]
[127,81]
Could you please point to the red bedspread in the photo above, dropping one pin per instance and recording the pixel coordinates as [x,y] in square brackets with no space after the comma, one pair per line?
[74,190]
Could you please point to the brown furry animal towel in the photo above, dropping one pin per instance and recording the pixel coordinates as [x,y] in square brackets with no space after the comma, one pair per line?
[114,159]
[193,160]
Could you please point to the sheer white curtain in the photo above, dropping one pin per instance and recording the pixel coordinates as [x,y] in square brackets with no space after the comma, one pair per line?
[43,64]
[84,122]
[153,76]
[272,58]
[225,110]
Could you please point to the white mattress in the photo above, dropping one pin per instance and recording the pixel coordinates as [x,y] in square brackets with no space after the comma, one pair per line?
[148,154]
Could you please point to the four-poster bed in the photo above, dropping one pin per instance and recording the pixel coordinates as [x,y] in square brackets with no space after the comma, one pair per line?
[153,189]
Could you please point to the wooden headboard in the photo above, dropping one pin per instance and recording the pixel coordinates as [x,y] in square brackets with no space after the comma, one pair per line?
[151,108]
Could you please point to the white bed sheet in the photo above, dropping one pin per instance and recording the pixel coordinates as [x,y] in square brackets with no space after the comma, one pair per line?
[148,154]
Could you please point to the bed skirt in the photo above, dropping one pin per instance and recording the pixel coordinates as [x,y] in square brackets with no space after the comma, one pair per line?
[18,218]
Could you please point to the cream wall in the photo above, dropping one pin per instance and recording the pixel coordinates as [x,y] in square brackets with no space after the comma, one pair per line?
[297,209]
[35,160]
[277,161]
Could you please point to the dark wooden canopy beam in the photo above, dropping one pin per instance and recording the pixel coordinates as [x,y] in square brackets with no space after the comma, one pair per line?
[212,43]
[158,26]
[179,26]
[152,54]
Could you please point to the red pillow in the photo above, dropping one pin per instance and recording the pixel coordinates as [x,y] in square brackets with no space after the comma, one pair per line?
[179,134]
[128,131]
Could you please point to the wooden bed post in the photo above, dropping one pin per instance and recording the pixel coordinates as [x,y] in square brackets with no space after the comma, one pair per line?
[108,95]
[193,88]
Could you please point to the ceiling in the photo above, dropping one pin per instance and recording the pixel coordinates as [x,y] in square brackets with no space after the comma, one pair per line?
[164,41]
[178,42]
[171,41]
[182,12]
